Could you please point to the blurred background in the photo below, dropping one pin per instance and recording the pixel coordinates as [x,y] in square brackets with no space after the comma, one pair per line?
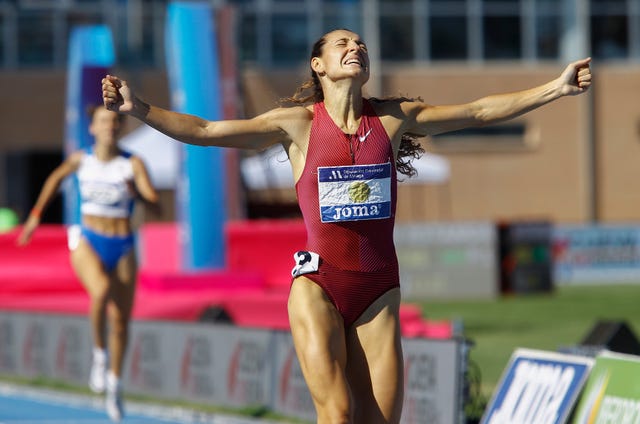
[569,162]
[542,204]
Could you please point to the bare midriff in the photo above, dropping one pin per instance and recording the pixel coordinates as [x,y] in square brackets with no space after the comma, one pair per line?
[107,226]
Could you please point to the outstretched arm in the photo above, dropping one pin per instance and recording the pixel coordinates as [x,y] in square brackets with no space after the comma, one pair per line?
[47,193]
[257,133]
[430,120]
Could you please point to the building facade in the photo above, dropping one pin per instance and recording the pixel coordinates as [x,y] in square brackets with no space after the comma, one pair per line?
[571,161]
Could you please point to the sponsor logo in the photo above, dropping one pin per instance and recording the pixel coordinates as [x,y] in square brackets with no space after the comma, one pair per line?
[293,391]
[146,362]
[245,378]
[538,388]
[34,355]
[420,379]
[7,341]
[69,361]
[535,395]
[362,138]
[197,361]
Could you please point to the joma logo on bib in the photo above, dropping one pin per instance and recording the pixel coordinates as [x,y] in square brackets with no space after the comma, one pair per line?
[356,212]
[352,193]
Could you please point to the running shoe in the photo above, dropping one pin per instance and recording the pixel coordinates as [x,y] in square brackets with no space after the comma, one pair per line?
[98,371]
[113,399]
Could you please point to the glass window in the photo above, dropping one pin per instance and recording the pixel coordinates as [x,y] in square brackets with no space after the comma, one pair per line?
[548,36]
[609,37]
[289,38]
[448,37]
[396,37]
[331,22]
[35,38]
[248,37]
[146,55]
[502,37]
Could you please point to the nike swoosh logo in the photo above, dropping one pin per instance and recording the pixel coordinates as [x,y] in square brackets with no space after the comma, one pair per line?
[364,137]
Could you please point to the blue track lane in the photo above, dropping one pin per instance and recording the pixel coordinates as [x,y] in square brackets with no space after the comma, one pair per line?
[26,405]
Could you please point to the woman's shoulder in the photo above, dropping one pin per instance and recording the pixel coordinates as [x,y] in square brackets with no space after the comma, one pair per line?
[399,107]
[78,155]
[292,114]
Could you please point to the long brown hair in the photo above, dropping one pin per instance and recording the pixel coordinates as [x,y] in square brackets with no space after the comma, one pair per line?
[409,147]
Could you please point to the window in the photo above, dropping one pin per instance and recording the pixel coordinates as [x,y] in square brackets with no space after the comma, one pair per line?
[34,33]
[396,37]
[548,34]
[35,38]
[247,37]
[289,38]
[502,37]
[609,37]
[449,37]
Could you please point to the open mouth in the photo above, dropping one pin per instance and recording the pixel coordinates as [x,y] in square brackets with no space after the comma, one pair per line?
[352,62]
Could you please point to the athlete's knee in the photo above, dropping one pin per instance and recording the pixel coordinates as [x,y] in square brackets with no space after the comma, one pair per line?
[99,293]
[119,320]
[335,413]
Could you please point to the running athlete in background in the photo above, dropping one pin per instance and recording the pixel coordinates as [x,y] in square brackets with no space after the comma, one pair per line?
[103,253]
[344,150]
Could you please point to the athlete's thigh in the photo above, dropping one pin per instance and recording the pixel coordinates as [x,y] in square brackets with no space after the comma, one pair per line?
[318,336]
[88,267]
[375,368]
[123,282]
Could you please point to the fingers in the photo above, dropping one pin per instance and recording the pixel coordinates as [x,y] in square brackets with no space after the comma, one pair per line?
[578,74]
[583,77]
[110,93]
[583,73]
[581,63]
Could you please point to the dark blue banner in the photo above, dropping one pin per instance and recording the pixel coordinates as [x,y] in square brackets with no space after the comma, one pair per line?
[538,387]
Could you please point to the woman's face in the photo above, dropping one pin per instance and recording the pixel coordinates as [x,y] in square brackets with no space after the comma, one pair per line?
[105,126]
[344,55]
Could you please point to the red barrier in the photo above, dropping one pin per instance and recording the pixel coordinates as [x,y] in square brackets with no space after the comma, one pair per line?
[252,289]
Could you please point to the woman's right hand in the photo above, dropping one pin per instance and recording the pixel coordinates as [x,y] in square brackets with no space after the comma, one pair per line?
[27,230]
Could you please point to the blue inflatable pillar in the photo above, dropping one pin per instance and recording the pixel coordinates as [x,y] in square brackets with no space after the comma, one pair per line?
[91,55]
[192,64]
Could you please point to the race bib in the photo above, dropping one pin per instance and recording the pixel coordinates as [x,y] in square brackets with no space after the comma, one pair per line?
[353,193]
[102,193]
[306,262]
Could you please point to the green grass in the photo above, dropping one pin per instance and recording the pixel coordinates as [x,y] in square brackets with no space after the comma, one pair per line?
[540,321]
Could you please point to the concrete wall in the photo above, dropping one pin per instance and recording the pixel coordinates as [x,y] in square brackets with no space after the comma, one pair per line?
[548,174]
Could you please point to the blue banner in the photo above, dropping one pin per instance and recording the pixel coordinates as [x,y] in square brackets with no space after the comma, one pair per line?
[192,63]
[538,387]
[91,54]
